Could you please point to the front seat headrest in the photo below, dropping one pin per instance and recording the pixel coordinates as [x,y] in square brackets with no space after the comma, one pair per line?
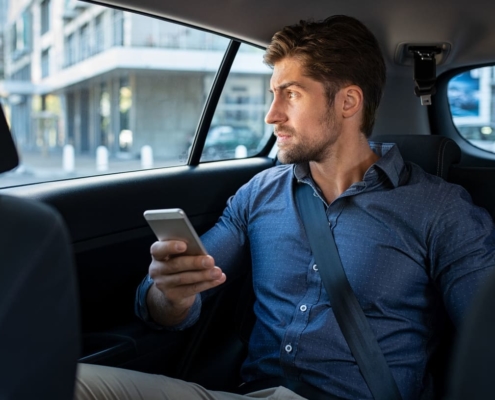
[9,159]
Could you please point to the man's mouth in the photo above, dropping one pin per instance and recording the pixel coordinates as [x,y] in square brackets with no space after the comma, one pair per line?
[282,137]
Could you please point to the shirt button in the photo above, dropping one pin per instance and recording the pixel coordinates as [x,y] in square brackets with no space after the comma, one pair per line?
[315,267]
[288,348]
[303,308]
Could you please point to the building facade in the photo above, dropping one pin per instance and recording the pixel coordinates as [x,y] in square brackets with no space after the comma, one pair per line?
[90,76]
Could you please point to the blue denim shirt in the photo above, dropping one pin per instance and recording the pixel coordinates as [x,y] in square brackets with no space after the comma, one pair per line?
[411,245]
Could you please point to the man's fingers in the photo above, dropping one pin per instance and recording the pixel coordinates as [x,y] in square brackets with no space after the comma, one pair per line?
[179,277]
[168,252]
[193,277]
[169,281]
[162,250]
[181,264]
[178,293]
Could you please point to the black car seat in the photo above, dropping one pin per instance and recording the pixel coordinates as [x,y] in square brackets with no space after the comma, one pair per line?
[435,154]
[473,370]
[39,313]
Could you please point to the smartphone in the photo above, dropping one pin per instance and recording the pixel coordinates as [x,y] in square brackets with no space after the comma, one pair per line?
[173,224]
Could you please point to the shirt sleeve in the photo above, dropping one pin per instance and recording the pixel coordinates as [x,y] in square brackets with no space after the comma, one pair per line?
[142,312]
[226,242]
[462,250]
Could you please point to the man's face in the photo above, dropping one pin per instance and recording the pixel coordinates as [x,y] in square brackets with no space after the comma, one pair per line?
[303,122]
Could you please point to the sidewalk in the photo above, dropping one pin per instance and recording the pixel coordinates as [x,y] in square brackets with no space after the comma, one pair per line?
[36,167]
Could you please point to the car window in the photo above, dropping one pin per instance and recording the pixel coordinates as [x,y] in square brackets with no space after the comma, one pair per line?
[91,90]
[470,97]
[238,128]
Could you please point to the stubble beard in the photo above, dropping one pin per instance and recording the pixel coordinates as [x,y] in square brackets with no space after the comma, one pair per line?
[315,150]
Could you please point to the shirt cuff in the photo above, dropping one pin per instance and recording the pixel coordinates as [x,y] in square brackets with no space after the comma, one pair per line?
[142,312]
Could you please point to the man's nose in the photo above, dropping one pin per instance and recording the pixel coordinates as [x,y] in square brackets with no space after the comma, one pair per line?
[275,114]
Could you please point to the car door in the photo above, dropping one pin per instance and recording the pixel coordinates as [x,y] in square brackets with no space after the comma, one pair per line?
[116,126]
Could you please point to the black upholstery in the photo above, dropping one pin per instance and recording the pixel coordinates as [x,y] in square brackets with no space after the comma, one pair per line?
[39,309]
[38,303]
[474,368]
[9,158]
[478,181]
[435,154]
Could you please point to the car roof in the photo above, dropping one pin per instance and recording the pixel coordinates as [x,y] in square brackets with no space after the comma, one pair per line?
[466,25]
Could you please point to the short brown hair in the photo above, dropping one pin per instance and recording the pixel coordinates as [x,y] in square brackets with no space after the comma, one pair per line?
[337,51]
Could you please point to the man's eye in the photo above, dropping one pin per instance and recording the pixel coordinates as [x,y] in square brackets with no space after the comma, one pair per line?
[291,95]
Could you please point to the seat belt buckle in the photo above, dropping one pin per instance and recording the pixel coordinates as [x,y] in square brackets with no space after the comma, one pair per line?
[425,71]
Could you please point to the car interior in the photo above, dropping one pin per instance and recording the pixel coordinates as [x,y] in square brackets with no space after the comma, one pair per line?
[104,213]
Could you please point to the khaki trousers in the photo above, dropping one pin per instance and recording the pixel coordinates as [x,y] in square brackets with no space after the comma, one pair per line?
[96,382]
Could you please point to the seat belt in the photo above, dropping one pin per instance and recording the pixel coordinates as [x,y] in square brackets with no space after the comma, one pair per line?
[348,312]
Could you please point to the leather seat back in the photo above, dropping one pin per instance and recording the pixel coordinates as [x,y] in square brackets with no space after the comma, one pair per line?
[435,154]
[39,305]
[9,158]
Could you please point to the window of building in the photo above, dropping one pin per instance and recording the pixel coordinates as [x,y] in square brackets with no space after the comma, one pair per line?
[45,16]
[22,74]
[84,46]
[45,63]
[44,121]
[70,50]
[471,99]
[118,28]
[99,34]
[21,35]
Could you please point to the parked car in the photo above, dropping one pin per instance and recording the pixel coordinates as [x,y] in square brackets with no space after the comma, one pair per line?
[226,142]
[155,70]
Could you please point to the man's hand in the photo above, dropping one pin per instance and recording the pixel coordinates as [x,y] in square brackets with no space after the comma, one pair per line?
[178,279]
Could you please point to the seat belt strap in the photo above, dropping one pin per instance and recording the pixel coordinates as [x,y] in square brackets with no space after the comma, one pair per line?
[348,313]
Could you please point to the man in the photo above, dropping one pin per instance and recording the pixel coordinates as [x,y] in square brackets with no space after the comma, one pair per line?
[408,241]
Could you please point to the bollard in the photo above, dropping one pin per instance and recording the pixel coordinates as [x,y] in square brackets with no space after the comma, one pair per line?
[68,159]
[101,158]
[146,157]
[241,151]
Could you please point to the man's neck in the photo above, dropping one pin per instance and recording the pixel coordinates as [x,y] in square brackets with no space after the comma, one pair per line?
[346,164]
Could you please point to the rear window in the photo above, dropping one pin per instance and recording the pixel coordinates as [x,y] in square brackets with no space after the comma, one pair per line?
[470,96]
[238,128]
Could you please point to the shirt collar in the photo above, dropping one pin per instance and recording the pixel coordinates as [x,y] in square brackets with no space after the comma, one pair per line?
[390,163]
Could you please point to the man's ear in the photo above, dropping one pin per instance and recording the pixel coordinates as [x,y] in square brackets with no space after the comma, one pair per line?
[353,101]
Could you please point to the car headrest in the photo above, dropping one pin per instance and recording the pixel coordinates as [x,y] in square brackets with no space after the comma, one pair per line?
[435,154]
[9,159]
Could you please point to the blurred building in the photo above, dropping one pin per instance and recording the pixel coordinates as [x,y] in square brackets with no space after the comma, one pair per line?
[3,20]
[86,75]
